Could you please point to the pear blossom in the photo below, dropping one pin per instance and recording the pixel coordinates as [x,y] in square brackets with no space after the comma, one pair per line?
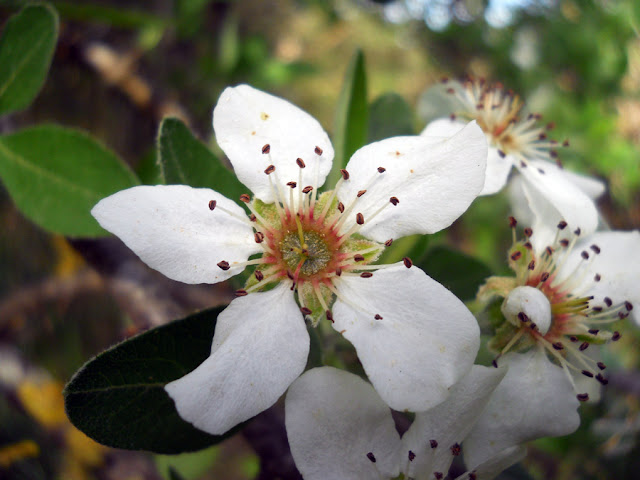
[562,298]
[312,253]
[521,143]
[338,427]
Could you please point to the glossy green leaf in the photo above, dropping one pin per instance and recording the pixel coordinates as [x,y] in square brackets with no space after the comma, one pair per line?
[352,115]
[459,272]
[26,48]
[118,398]
[390,116]
[56,175]
[186,160]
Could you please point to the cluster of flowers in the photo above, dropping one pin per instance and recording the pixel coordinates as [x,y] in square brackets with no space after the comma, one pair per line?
[313,256]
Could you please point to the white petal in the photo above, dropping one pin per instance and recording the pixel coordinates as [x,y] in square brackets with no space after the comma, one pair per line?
[172,229]
[425,342]
[534,400]
[552,198]
[260,346]
[592,186]
[498,166]
[435,182]
[334,419]
[449,422]
[618,264]
[492,467]
[246,119]
[519,202]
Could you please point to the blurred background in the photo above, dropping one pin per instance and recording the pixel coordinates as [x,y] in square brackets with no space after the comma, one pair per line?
[120,66]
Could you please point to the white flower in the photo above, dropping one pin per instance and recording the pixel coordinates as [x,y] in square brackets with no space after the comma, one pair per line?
[414,338]
[561,299]
[338,427]
[523,144]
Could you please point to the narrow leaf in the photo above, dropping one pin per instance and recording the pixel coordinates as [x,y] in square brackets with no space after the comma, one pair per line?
[459,272]
[186,160]
[118,398]
[350,126]
[26,48]
[56,175]
[390,116]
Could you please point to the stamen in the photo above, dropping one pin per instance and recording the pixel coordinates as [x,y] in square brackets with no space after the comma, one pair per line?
[212,204]
[266,149]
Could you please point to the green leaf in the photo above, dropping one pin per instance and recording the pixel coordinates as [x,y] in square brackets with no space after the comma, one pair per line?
[186,160]
[118,398]
[350,126]
[26,47]
[459,272]
[56,175]
[391,116]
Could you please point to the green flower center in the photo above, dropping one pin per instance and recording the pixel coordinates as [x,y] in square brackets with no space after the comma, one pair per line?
[306,252]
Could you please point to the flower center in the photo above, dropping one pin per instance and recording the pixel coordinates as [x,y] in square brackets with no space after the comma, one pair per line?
[307,252]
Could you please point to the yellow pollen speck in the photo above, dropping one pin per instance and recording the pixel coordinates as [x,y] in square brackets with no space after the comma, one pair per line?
[442,349]
[397,153]
[411,171]
[264,116]
[253,133]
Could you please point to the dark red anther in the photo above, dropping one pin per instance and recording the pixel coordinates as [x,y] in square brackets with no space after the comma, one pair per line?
[583,346]
[597,277]
[583,397]
[358,257]
[300,162]
[292,184]
[318,150]
[411,456]
[394,201]
[523,317]
[528,232]
[252,217]
[585,255]
[361,192]
[245,198]
[329,316]
[307,189]
[345,174]
[601,366]
[224,265]
[532,265]
[558,346]
[601,379]
[455,449]
[513,222]
[378,316]
[366,274]
[595,248]
[608,301]
[266,149]
[359,219]
[258,237]
[259,275]
[587,373]
[564,242]
[270,169]
[544,277]
[628,305]
[433,444]
[577,231]
[593,331]
[305,311]
[341,207]
[212,204]
[241,293]
[407,262]
[516,255]
[616,336]
[562,225]
[381,169]
[371,457]
[338,271]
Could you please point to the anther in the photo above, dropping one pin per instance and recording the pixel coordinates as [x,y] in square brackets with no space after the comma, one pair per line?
[564,242]
[549,251]
[270,169]
[593,331]
[318,150]
[583,397]
[587,373]
[394,201]
[557,346]
[541,170]
[258,237]
[532,265]
[341,207]
[407,262]
[212,204]
[502,154]
[378,316]
[259,275]
[438,475]
[601,379]
[628,306]
[224,265]
[608,301]
[601,366]
[523,317]
[516,255]
[245,198]
[573,338]
[433,443]
[366,274]
[345,174]
[361,192]
[595,248]
[300,162]
[371,457]
[252,217]
[577,231]
[528,245]
[305,311]
[513,222]
[455,449]
[562,225]
[411,456]
[544,277]
[565,143]
[388,242]
[381,169]
[528,232]
[329,315]
[358,257]
[494,362]
[584,254]
[533,326]
[266,149]
[307,189]
[597,277]
[583,346]
[616,336]
[292,184]
[338,271]
[473,476]
[241,293]
[359,219]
